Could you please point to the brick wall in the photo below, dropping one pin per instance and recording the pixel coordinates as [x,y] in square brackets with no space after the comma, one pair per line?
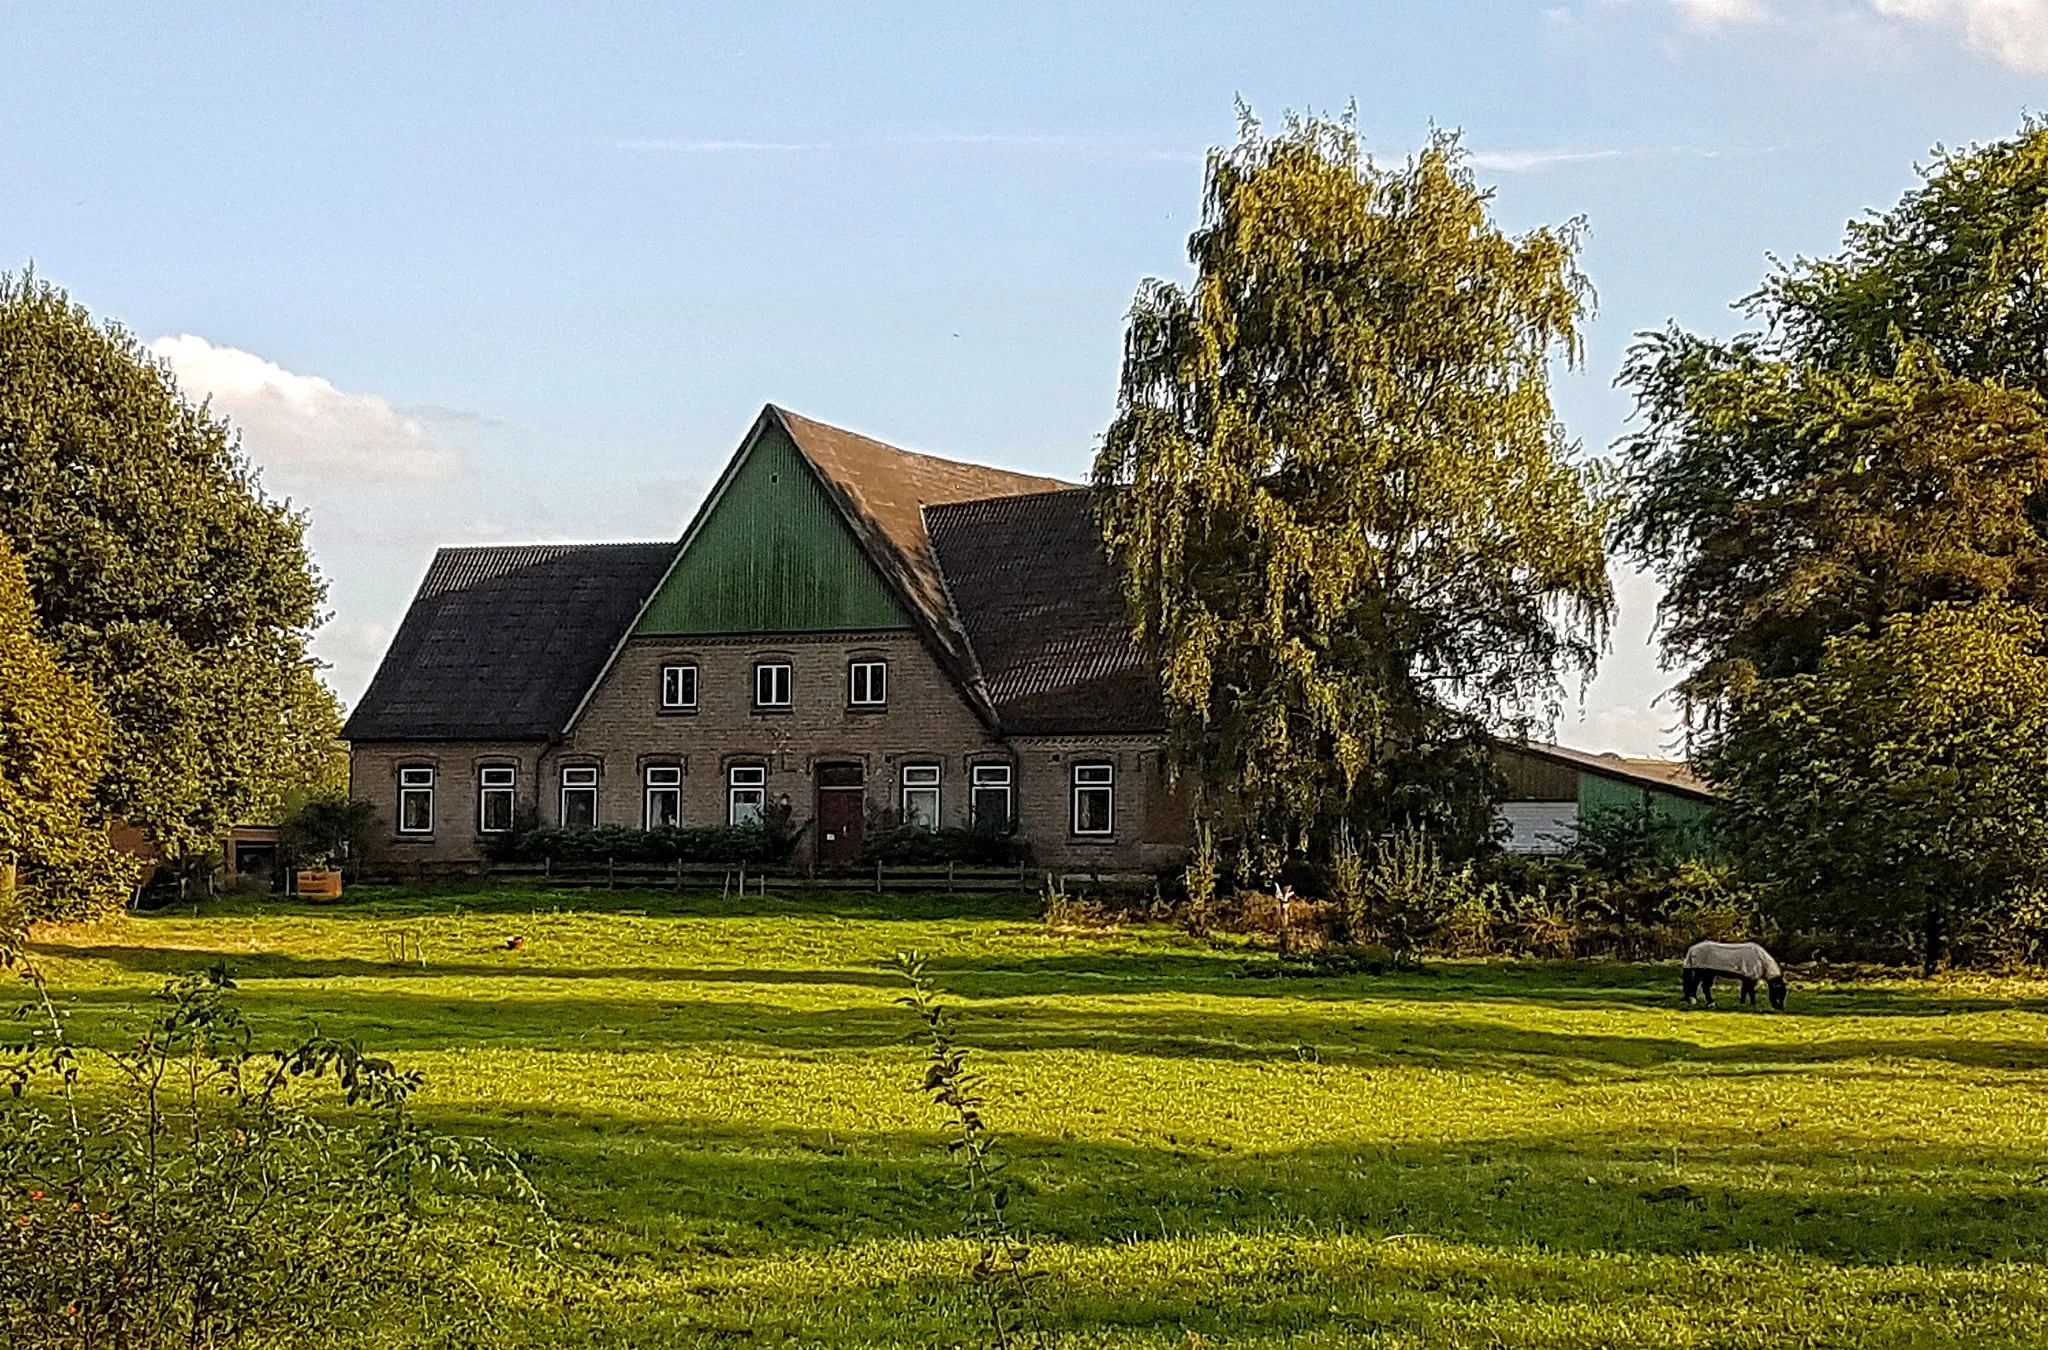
[623,730]
[1150,820]
[456,837]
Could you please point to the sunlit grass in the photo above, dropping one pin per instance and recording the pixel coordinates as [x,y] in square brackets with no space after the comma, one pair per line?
[719,1099]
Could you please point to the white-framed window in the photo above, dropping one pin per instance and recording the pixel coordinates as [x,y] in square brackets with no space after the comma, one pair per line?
[771,684]
[579,797]
[679,688]
[664,784]
[746,794]
[921,796]
[1094,799]
[989,798]
[495,786]
[416,801]
[867,684]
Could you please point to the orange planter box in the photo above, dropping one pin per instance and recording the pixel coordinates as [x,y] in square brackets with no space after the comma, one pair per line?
[320,885]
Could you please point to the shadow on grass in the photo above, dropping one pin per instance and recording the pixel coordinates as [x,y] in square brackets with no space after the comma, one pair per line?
[518,897]
[714,1185]
[512,1010]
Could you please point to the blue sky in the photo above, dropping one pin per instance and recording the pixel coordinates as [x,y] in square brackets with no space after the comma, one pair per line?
[513,273]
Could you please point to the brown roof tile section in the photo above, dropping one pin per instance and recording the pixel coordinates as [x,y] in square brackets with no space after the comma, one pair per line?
[1035,589]
[886,490]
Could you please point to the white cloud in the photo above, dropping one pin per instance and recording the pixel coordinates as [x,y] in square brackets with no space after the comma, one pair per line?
[1708,14]
[2014,32]
[1531,161]
[301,427]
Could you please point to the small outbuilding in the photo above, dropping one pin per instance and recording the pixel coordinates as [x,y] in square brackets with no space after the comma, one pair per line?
[1552,788]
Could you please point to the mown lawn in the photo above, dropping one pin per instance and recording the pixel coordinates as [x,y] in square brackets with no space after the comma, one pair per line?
[719,1099]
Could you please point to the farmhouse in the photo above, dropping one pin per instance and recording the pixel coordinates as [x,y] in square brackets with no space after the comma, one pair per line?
[845,629]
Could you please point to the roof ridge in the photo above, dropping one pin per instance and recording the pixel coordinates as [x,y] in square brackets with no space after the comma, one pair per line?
[790,414]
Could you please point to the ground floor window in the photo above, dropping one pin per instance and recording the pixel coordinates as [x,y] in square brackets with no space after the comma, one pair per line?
[746,794]
[664,796]
[989,798]
[579,797]
[1094,799]
[495,786]
[416,801]
[921,796]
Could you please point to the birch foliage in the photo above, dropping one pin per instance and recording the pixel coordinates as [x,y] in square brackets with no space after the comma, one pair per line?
[1346,516]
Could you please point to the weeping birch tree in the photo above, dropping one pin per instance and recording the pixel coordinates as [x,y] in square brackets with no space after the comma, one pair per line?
[1348,521]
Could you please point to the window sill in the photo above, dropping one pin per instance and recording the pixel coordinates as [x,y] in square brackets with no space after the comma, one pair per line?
[1091,838]
[868,709]
[412,838]
[675,712]
[783,711]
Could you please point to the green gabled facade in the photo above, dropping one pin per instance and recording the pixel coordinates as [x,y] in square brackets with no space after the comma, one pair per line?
[771,553]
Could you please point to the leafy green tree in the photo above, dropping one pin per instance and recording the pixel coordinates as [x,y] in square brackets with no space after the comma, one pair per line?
[1879,447]
[53,737]
[1899,786]
[163,575]
[1347,518]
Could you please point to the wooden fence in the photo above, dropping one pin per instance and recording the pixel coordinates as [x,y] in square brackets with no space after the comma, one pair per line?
[748,878]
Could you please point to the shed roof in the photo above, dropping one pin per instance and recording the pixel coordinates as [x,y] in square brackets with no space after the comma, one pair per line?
[501,642]
[1031,582]
[1658,775]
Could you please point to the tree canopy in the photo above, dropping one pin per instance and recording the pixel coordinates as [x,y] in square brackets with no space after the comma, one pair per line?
[162,574]
[1897,789]
[1348,521]
[53,740]
[1879,447]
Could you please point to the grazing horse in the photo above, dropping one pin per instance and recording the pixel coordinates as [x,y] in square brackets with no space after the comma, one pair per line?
[1745,961]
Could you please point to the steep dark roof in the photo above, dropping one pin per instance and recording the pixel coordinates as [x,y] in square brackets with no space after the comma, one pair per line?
[1032,585]
[884,492]
[500,643]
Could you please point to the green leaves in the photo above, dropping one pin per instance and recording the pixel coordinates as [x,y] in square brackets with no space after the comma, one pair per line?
[162,574]
[1347,518]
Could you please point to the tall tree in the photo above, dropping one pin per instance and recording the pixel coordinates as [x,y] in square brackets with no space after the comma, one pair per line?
[1347,518]
[163,575]
[1878,447]
[53,740]
[1897,789]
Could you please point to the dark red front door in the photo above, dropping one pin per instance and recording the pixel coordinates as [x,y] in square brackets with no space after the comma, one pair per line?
[842,808]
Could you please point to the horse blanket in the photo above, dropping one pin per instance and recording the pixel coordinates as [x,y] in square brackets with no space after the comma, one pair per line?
[1744,960]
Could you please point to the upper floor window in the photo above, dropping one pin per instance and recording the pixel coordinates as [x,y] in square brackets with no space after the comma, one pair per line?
[921,796]
[746,794]
[1094,799]
[495,786]
[771,684]
[664,796]
[679,688]
[579,797]
[867,684]
[989,798]
[416,801]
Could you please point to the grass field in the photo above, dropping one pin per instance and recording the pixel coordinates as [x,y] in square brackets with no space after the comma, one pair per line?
[720,1101]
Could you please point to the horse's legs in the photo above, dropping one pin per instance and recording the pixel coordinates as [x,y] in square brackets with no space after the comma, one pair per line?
[1692,983]
[1707,987]
[1749,991]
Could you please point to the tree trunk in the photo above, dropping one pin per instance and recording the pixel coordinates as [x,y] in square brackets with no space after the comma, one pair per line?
[1934,936]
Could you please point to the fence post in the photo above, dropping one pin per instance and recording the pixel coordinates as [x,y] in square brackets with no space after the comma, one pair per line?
[878,876]
[950,864]
[679,873]
[611,873]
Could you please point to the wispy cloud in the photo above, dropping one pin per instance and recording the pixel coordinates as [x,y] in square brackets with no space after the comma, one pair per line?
[1536,161]
[1711,14]
[300,426]
[2012,32]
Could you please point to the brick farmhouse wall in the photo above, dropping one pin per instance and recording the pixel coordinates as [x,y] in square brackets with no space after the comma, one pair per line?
[623,730]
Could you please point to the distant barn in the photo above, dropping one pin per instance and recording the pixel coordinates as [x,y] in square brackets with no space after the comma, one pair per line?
[1552,789]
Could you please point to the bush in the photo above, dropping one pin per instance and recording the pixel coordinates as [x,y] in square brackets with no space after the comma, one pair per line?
[326,831]
[617,843]
[193,1191]
[915,846]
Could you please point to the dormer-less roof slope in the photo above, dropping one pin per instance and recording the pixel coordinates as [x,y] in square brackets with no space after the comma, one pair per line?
[500,643]
[1656,775]
[1034,588]
[883,491]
